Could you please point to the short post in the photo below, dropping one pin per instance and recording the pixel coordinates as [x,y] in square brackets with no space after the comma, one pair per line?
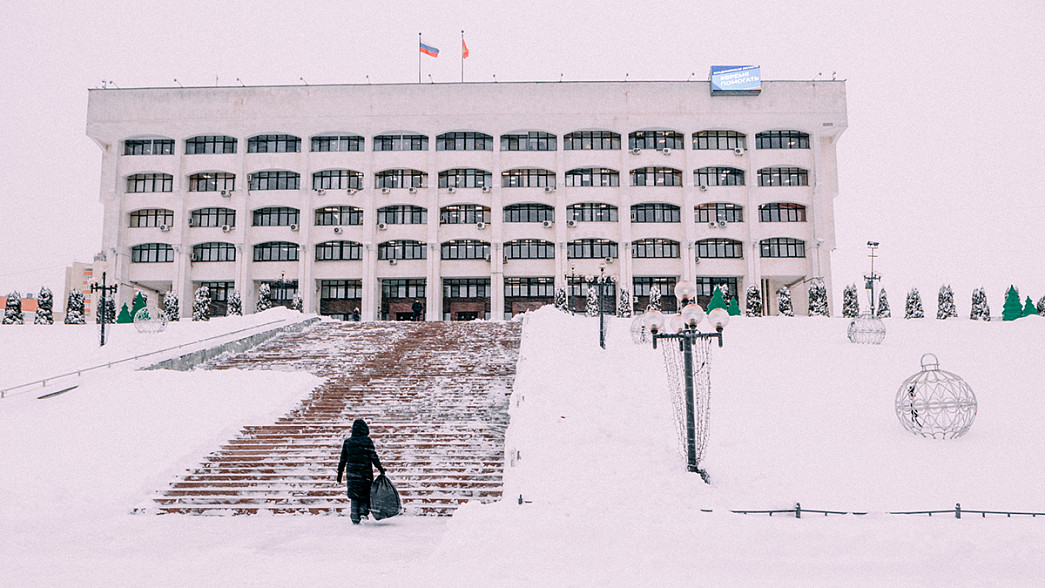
[957,510]
[798,510]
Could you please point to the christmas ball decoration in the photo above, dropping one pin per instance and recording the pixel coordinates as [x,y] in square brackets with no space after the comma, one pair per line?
[866,329]
[935,403]
[150,322]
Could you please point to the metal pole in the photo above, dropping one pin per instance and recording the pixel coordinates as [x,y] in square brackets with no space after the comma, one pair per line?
[691,432]
[602,330]
[105,307]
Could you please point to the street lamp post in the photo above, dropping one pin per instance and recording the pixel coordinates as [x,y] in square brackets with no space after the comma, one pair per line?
[104,307]
[602,281]
[869,280]
[685,330]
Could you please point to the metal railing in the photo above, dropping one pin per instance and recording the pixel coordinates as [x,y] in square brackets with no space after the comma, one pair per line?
[957,512]
[43,382]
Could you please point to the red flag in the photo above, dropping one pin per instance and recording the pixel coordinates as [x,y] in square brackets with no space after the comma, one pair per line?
[464,50]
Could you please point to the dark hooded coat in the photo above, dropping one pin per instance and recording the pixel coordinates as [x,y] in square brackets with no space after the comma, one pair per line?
[358,458]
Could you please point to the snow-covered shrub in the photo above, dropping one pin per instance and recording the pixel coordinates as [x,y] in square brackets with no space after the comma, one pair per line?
[235,304]
[753,301]
[624,304]
[106,308]
[560,299]
[171,306]
[13,309]
[201,304]
[44,308]
[980,310]
[850,302]
[1041,306]
[654,299]
[296,303]
[74,308]
[945,304]
[883,305]
[783,302]
[818,299]
[591,307]
[913,309]
[264,298]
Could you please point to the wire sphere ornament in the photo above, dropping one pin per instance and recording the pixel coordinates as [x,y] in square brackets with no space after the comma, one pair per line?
[935,403]
[640,334]
[150,322]
[866,329]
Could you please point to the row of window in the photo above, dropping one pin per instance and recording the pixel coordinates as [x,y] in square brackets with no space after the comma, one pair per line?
[776,247]
[345,179]
[472,141]
[281,216]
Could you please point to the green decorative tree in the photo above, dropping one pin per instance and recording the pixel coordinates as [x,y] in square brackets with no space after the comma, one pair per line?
[124,316]
[734,307]
[1012,309]
[137,304]
[717,301]
[1028,308]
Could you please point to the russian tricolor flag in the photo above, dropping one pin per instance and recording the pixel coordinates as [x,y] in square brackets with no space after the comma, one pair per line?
[428,49]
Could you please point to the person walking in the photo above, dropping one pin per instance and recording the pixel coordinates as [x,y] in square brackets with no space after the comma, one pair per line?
[418,308]
[355,315]
[358,458]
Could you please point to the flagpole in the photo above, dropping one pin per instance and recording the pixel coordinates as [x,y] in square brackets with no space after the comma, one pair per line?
[462,57]
[418,58]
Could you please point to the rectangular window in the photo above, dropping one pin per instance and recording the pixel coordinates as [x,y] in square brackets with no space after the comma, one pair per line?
[148,147]
[340,289]
[466,288]
[337,143]
[538,287]
[402,288]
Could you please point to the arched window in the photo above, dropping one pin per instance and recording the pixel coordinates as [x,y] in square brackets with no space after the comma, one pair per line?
[591,141]
[655,212]
[274,144]
[783,247]
[529,249]
[719,140]
[402,215]
[718,176]
[655,140]
[214,251]
[592,212]
[276,216]
[152,253]
[783,176]
[464,142]
[212,182]
[782,140]
[463,214]
[527,178]
[276,251]
[152,217]
[337,179]
[212,217]
[528,213]
[203,144]
[656,176]
[139,183]
[465,249]
[591,249]
[529,141]
[400,178]
[274,180]
[720,212]
[339,251]
[592,176]
[782,212]
[401,143]
[161,146]
[465,178]
[402,250]
[332,216]
[655,248]
[325,143]
[720,249]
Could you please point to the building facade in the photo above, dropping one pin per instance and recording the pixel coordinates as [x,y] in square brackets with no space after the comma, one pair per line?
[479,200]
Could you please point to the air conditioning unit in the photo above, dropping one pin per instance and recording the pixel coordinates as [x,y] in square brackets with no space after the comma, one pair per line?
[697,260]
[480,225]
[703,187]
[486,189]
[549,188]
[351,191]
[547,224]
[164,228]
[385,190]
[634,217]
[392,261]
[413,190]
[321,191]
[636,151]
[713,224]
[337,230]
[194,257]
[381,226]
[226,193]
[609,260]
[294,227]
[451,189]
[738,151]
[192,222]
[486,257]
[666,151]
[722,224]
[571,223]
[231,192]
[226,228]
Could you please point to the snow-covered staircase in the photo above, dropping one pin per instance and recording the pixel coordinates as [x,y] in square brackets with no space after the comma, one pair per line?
[434,394]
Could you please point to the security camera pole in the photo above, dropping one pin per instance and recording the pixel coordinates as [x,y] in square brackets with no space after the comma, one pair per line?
[869,280]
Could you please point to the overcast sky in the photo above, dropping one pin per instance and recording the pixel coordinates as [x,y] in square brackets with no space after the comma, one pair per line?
[941,161]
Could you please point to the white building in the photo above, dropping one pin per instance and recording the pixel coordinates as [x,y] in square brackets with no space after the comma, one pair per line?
[480,199]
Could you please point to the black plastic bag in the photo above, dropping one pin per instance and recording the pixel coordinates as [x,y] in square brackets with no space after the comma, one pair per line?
[384,499]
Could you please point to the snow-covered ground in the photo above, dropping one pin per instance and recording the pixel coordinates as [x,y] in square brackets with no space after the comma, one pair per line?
[798,414]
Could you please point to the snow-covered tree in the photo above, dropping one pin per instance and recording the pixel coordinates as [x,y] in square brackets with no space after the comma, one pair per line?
[201,304]
[624,304]
[140,302]
[980,310]
[106,307]
[296,303]
[13,309]
[913,309]
[591,307]
[850,302]
[235,304]
[753,301]
[818,299]
[1028,308]
[883,305]
[1012,309]
[945,304]
[44,308]
[171,306]
[264,298]
[783,301]
[74,308]
[560,299]
[1041,306]
[654,299]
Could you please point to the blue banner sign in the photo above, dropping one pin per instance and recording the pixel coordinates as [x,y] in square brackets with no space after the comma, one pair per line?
[736,80]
